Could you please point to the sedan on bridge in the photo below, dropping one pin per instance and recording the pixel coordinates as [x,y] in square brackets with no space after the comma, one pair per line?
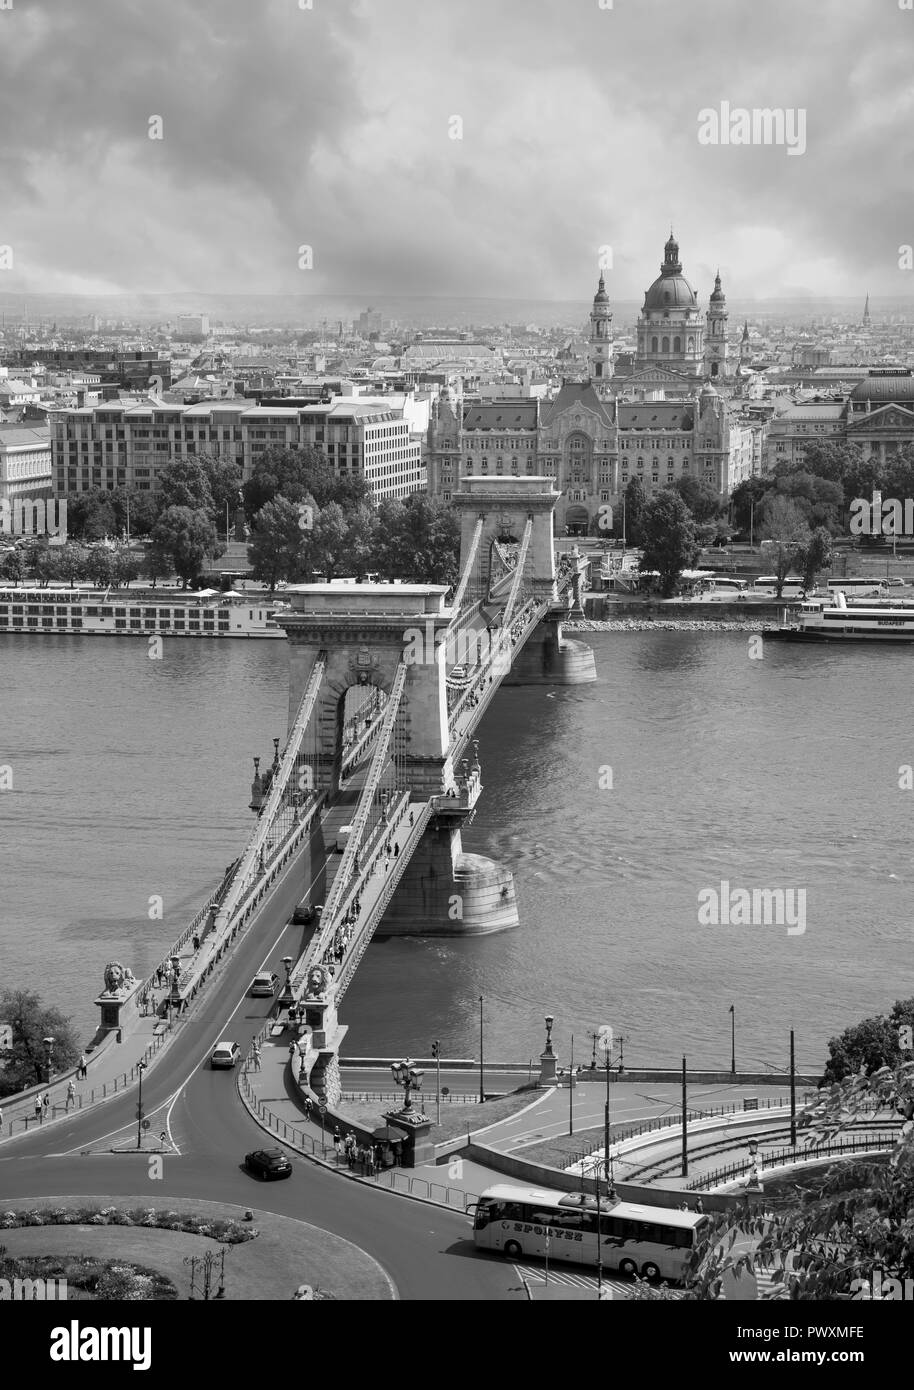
[268,1163]
[264,985]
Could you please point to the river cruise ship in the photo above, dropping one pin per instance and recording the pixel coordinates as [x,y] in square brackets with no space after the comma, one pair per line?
[135,613]
[838,621]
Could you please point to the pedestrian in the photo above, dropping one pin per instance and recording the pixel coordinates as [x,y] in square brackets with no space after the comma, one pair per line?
[699,1205]
[337,1145]
[306,1101]
[71,1093]
[396,850]
[46,1101]
[369,1161]
[39,1112]
[82,1067]
[1,1119]
[379,1156]
[292,1051]
[196,941]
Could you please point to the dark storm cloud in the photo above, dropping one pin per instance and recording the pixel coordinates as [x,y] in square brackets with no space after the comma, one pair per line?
[331,127]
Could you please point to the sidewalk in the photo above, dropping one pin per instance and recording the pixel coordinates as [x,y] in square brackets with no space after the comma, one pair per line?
[111,1065]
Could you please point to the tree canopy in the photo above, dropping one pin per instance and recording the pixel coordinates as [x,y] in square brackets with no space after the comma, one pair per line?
[669,539]
[32,1021]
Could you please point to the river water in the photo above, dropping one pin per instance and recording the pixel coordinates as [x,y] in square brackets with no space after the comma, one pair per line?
[615,804]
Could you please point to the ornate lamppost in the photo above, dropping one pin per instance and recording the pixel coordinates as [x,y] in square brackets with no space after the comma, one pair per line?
[548,1059]
[409,1076]
[287,998]
[141,1067]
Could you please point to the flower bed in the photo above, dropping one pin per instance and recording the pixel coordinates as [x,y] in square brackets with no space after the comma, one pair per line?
[227,1232]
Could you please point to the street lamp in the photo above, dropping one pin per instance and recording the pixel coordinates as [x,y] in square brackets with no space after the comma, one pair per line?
[49,1048]
[287,996]
[755,1182]
[141,1067]
[409,1076]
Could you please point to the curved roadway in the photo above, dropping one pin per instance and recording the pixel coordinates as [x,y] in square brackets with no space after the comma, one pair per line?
[427,1251]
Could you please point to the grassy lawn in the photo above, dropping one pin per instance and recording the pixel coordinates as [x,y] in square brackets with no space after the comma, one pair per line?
[455,1119]
[90,1277]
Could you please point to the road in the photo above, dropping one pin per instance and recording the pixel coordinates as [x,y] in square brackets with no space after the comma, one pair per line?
[428,1252]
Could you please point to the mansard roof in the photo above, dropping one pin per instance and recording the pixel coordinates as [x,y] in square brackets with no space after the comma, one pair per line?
[578,395]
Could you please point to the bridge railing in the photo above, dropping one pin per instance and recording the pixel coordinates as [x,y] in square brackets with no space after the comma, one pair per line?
[788,1156]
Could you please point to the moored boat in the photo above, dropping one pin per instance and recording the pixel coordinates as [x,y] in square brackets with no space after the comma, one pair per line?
[837,621]
[134,613]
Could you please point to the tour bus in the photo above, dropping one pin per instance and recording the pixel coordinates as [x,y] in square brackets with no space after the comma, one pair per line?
[854,588]
[654,1242]
[722,584]
[768,583]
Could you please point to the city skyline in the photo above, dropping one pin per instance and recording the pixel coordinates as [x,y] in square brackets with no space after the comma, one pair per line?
[201,151]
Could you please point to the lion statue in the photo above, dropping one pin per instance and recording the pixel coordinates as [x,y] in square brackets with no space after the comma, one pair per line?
[114,978]
[317,981]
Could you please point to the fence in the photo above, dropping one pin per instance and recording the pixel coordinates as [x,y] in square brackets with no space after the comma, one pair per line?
[428,1097]
[393,1178]
[619,1133]
[790,1155]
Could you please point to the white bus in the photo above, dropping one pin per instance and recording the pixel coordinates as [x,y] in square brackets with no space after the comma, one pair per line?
[722,584]
[654,1242]
[768,583]
[859,587]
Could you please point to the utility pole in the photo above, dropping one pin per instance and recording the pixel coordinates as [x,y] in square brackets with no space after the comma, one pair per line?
[685,1125]
[571,1089]
[732,1041]
[436,1053]
[793,1096]
[482,1085]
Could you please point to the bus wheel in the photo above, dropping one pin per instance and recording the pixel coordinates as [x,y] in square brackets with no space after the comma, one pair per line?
[513,1250]
[628,1267]
[650,1271]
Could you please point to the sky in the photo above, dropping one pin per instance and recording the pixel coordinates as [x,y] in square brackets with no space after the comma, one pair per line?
[336,128]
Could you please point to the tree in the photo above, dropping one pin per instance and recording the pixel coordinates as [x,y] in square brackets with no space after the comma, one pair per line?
[73,562]
[186,536]
[814,556]
[157,560]
[634,505]
[297,474]
[100,568]
[329,539]
[669,541]
[417,539]
[833,461]
[126,568]
[278,544]
[783,522]
[745,500]
[143,509]
[12,567]
[701,499]
[32,1022]
[224,479]
[91,515]
[869,1045]
[184,483]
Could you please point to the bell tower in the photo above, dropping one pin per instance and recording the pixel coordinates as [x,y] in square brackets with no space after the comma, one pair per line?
[600,350]
[716,349]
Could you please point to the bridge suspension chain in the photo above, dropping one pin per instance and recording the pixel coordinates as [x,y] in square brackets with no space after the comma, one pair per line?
[457,600]
[518,572]
[270,819]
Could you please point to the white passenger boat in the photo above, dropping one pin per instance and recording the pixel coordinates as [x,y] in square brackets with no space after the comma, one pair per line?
[136,613]
[836,621]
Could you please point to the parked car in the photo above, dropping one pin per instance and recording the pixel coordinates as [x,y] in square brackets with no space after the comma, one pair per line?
[225,1054]
[264,984]
[268,1163]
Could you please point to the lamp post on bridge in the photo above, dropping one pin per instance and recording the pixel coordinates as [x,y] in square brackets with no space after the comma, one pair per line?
[287,998]
[411,1118]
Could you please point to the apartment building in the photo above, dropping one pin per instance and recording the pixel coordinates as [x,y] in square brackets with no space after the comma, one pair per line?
[127,444]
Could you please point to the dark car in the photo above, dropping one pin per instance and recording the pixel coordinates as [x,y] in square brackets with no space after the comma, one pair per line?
[268,1163]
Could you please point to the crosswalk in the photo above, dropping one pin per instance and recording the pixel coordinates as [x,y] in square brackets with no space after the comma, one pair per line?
[535,1275]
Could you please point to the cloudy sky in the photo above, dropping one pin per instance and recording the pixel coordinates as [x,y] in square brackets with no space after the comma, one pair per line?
[332,127]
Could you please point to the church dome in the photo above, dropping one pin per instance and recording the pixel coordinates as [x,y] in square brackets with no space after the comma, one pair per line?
[671,290]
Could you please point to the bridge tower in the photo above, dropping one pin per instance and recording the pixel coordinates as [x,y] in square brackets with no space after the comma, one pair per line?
[504,506]
[364,630]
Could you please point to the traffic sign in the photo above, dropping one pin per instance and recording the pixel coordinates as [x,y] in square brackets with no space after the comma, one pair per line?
[322,1106]
[145,1124]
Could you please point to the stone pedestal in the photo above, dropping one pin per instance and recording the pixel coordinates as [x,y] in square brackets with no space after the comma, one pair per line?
[113,1007]
[446,892]
[548,1064]
[548,658]
[415,1127]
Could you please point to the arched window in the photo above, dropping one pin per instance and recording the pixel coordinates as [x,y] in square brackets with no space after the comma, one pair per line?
[666,345]
[654,345]
[691,345]
[677,345]
[714,369]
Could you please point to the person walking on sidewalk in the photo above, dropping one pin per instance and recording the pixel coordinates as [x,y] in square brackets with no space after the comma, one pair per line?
[39,1112]
[82,1067]
[71,1093]
[46,1102]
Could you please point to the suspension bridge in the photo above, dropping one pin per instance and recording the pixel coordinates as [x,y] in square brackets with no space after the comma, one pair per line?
[359,817]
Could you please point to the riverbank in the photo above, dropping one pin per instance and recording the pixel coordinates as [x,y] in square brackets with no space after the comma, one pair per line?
[669,625]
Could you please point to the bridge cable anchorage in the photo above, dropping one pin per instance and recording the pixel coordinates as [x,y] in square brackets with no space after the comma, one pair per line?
[518,571]
[457,600]
[249,866]
[339,890]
